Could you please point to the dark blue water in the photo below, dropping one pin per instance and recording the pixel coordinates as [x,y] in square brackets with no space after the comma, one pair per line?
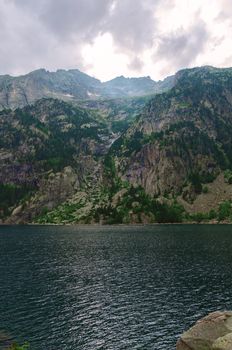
[111,288]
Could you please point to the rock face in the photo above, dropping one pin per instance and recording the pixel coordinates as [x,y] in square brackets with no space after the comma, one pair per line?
[213,332]
[180,132]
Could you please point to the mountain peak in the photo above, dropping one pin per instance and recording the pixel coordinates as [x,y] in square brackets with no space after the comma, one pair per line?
[38,71]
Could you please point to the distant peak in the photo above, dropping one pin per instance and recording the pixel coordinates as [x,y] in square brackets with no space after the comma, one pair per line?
[120,77]
[39,70]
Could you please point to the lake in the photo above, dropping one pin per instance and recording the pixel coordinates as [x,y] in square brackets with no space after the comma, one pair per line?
[111,288]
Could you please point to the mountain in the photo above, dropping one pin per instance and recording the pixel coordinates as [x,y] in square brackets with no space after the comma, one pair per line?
[71,85]
[160,158]
[66,85]
[52,149]
[48,148]
[122,86]
[180,131]
[182,141]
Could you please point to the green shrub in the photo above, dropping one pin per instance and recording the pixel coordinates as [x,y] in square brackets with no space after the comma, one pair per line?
[225,210]
[199,217]
[168,213]
[212,214]
[205,189]
[228,176]
[196,182]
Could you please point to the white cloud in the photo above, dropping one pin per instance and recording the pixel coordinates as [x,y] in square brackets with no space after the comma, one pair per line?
[102,60]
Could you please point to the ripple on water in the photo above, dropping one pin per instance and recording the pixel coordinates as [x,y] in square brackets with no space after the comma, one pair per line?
[90,288]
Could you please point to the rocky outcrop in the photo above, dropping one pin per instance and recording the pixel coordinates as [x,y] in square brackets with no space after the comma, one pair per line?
[54,190]
[213,332]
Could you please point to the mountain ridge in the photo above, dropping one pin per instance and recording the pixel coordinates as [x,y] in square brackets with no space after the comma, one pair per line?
[70,85]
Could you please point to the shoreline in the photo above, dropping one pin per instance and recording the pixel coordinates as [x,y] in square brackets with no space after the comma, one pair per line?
[122,225]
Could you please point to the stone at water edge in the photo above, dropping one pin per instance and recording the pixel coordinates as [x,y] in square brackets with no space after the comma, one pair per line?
[213,332]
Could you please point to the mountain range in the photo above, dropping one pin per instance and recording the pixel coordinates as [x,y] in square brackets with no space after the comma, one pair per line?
[72,85]
[131,150]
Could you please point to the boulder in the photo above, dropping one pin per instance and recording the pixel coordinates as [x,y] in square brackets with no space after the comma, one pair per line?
[17,210]
[213,332]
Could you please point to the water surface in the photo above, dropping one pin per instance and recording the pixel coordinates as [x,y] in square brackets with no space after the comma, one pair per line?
[111,288]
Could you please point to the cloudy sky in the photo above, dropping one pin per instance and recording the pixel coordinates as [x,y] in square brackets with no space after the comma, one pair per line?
[106,38]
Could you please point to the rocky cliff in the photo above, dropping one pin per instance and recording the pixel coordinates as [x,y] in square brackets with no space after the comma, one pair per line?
[180,132]
[182,139]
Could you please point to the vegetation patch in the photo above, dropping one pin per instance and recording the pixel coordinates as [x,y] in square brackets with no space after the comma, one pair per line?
[65,213]
[228,176]
[135,206]
[223,213]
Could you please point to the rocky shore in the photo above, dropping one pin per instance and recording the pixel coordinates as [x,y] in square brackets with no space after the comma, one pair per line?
[213,332]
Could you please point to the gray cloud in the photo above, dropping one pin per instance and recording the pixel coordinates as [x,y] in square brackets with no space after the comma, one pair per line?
[47,33]
[76,22]
[71,19]
[52,33]
[136,64]
[132,24]
[181,48]
[26,44]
